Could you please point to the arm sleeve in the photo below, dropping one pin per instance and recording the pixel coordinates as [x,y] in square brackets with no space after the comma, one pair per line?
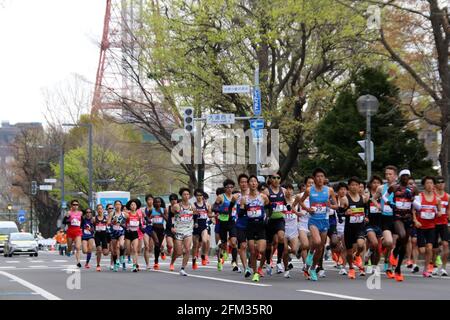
[417,203]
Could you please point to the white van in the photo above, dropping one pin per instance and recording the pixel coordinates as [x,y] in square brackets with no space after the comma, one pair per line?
[6,228]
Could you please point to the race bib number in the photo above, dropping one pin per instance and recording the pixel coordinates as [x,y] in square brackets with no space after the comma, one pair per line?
[403,205]
[254,213]
[134,223]
[387,209]
[279,207]
[373,209]
[117,227]
[186,218]
[157,220]
[427,215]
[203,215]
[356,219]
[444,206]
[319,209]
[75,222]
[100,228]
[290,216]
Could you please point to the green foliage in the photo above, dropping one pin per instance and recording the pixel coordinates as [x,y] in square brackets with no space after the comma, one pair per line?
[395,143]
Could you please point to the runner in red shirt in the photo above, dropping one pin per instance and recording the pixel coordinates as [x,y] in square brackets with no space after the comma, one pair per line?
[442,224]
[74,232]
[427,207]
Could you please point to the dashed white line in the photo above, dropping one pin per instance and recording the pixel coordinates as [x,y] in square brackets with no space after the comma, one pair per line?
[12,261]
[38,266]
[47,295]
[60,261]
[335,295]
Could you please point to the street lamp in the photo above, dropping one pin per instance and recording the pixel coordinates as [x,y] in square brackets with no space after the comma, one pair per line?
[9,210]
[368,106]
[90,169]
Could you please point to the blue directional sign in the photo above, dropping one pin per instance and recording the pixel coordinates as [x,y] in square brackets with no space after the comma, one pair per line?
[257,135]
[21,219]
[257,123]
[257,102]
[21,213]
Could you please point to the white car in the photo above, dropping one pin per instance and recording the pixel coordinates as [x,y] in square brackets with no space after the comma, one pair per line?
[21,243]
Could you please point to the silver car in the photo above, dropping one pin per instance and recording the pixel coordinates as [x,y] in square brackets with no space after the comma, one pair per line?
[21,243]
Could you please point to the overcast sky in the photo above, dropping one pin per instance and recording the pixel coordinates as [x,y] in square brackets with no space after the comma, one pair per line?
[42,43]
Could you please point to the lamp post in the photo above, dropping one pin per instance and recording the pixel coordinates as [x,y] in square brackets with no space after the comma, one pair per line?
[90,169]
[368,106]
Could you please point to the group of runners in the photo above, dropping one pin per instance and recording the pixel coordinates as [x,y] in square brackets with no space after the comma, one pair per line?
[266,225]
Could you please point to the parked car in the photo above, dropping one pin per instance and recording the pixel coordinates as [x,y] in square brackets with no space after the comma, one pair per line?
[21,243]
[6,228]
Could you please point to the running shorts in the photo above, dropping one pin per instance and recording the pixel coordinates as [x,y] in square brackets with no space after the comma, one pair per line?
[332,230]
[256,231]
[74,232]
[426,236]
[375,229]
[387,223]
[291,232]
[441,232]
[131,235]
[201,226]
[227,228]
[241,235]
[303,226]
[101,239]
[182,235]
[353,232]
[321,224]
[272,228]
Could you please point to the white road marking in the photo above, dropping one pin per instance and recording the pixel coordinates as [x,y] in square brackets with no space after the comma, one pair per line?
[8,267]
[335,295]
[37,261]
[47,295]
[60,261]
[12,261]
[38,267]
[216,279]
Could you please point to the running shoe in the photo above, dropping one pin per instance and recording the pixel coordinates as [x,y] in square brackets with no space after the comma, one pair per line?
[438,261]
[235,266]
[351,274]
[309,259]
[260,272]
[269,271]
[172,267]
[343,272]
[443,273]
[369,269]
[163,256]
[415,269]
[204,262]
[322,273]
[129,260]
[207,259]
[435,272]
[393,260]
[430,268]
[358,261]
[248,272]
[116,267]
[290,266]
[409,264]
[287,275]
[313,275]
[390,274]
[255,277]
[335,257]
[386,267]
[68,254]
[194,266]
[134,268]
[183,273]
[122,259]
[219,266]
[426,274]
[362,272]
[98,269]
[280,268]
[399,277]
[86,266]
[111,267]
[79,265]
[124,266]
[225,256]
[156,266]
[306,272]
[137,267]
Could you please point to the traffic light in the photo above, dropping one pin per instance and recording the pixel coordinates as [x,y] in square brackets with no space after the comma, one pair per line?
[188,119]
[33,188]
[362,155]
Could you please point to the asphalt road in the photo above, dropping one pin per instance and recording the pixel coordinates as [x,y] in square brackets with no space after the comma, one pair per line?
[50,276]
